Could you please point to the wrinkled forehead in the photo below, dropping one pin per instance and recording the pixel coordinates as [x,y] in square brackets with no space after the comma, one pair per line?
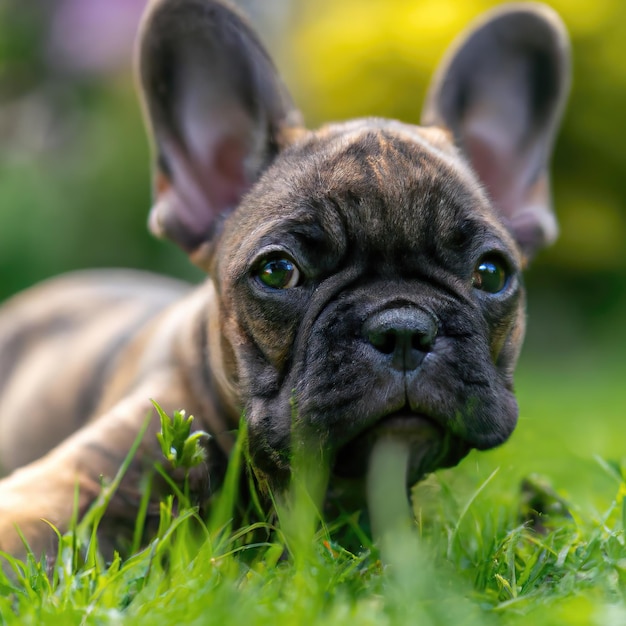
[370,178]
[375,153]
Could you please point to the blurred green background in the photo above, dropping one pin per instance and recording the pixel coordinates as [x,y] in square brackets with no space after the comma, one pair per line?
[74,163]
[75,189]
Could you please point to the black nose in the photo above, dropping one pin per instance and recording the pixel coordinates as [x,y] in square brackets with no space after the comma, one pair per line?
[405,334]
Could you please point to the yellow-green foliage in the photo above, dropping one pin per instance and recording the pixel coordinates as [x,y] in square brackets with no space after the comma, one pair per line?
[375,57]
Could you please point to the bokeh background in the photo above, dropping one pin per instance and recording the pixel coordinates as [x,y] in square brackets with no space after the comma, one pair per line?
[75,181]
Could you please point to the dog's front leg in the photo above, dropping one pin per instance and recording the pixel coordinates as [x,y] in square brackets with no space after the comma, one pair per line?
[45,489]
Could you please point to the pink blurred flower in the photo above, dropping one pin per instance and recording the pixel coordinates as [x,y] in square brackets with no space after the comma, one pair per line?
[93,36]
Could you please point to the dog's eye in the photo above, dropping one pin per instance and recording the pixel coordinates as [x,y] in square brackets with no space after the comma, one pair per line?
[279,274]
[490,274]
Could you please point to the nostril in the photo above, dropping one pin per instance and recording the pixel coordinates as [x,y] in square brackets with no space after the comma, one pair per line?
[384,342]
[422,341]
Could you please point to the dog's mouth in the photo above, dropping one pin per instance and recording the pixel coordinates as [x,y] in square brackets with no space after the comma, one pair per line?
[431,447]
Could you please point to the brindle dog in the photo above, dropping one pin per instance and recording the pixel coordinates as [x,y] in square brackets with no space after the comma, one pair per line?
[364,277]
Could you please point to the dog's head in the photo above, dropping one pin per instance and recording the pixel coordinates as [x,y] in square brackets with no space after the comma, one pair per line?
[368,274]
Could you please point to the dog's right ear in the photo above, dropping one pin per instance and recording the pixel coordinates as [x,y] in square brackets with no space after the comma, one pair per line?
[217,111]
[501,91]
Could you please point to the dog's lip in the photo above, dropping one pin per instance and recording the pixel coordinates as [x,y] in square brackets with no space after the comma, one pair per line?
[404,421]
[431,446]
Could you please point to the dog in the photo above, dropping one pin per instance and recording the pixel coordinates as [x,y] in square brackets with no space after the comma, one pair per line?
[364,279]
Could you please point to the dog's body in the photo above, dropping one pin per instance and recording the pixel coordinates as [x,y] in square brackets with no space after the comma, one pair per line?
[364,278]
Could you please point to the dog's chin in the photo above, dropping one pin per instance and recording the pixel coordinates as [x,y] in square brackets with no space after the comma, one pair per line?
[430,447]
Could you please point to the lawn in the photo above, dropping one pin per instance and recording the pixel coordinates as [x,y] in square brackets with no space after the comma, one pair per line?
[529,533]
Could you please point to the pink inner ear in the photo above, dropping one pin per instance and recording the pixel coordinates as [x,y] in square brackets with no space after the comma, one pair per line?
[229,173]
[198,190]
[525,204]
[495,168]
[214,184]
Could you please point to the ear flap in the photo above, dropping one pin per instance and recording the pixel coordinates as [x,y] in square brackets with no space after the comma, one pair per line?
[217,111]
[501,91]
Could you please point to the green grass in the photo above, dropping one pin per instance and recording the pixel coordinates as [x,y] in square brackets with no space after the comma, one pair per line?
[478,554]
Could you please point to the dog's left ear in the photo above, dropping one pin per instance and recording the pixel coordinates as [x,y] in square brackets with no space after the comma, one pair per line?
[501,92]
[217,111]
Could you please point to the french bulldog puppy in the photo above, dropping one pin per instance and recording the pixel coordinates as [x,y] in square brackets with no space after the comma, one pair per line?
[364,279]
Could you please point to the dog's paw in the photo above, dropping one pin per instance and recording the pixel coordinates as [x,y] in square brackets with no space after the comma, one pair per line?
[34,504]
